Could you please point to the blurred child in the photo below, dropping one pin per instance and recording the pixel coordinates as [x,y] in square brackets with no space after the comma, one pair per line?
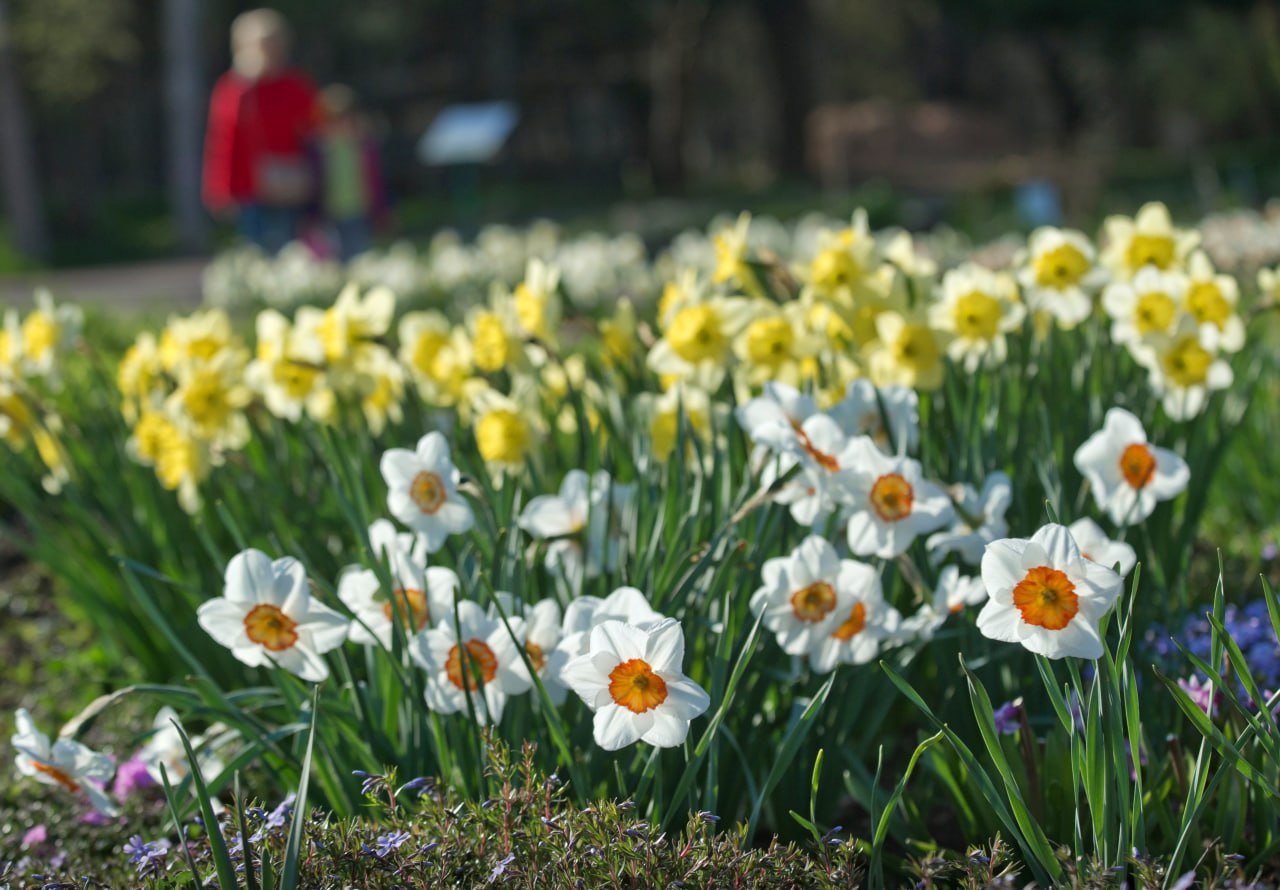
[352,200]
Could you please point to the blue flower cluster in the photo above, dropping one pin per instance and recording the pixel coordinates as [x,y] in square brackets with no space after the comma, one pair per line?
[1249,625]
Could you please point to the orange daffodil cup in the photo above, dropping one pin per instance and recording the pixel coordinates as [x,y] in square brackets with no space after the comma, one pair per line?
[1127,474]
[829,609]
[477,657]
[267,616]
[1045,595]
[631,678]
[422,490]
[65,763]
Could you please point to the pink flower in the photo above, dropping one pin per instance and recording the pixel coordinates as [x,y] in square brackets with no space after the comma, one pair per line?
[131,776]
[1203,694]
[35,836]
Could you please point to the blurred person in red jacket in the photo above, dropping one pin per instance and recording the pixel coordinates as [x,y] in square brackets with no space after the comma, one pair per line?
[261,115]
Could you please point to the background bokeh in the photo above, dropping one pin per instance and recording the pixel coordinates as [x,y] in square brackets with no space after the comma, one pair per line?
[651,115]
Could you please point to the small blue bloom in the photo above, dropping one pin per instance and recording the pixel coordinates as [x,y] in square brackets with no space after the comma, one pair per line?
[389,843]
[1008,717]
[501,868]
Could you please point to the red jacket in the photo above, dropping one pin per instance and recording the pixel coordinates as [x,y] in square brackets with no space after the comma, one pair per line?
[249,119]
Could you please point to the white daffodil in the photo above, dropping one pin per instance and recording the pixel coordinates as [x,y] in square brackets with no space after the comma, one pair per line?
[817,604]
[631,678]
[626,604]
[953,593]
[977,308]
[544,630]
[1095,545]
[164,747]
[1212,299]
[863,621]
[1185,368]
[266,616]
[1146,306]
[422,490]
[472,656]
[815,445]
[1127,474]
[66,763]
[800,594]
[1059,275]
[889,500]
[890,415]
[1147,240]
[420,596]
[1046,595]
[979,521]
[778,405]
[592,504]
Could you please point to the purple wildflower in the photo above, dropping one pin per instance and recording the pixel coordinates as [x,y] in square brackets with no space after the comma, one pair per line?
[501,868]
[94,818]
[146,856]
[276,819]
[1203,694]
[370,783]
[1008,717]
[419,786]
[131,776]
[389,843]
[35,836]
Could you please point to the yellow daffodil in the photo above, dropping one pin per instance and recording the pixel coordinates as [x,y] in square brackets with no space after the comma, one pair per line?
[1211,299]
[288,371]
[844,259]
[732,254]
[537,301]
[507,427]
[977,308]
[665,412]
[46,332]
[140,375]
[383,390]
[1148,239]
[906,352]
[180,461]
[1059,276]
[618,334]
[347,327]
[210,400]
[198,337]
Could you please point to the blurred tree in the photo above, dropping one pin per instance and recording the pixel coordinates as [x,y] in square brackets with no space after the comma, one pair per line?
[185,93]
[789,24]
[678,27]
[70,48]
[18,173]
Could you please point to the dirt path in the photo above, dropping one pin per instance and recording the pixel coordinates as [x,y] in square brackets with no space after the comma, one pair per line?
[162,284]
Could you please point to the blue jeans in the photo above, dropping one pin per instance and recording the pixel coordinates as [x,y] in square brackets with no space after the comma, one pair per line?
[270,228]
[354,236]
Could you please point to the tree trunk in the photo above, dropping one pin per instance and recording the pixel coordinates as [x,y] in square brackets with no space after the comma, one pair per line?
[18,172]
[676,33]
[185,95]
[789,26]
